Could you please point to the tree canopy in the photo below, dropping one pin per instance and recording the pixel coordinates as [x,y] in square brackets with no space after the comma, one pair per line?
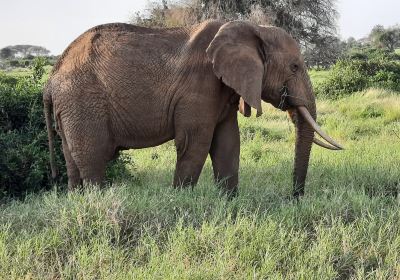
[311,22]
[6,53]
[23,51]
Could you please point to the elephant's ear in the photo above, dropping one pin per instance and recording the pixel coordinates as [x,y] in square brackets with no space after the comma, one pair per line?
[236,58]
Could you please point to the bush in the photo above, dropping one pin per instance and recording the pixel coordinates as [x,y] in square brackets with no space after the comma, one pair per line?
[24,156]
[24,160]
[14,63]
[371,68]
[368,53]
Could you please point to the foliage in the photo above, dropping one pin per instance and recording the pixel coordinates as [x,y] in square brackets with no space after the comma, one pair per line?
[24,160]
[175,14]
[312,23]
[23,51]
[23,138]
[325,53]
[38,69]
[25,63]
[388,38]
[6,53]
[346,227]
[362,69]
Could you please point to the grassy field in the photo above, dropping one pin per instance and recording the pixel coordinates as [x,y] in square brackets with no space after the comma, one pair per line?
[24,72]
[346,227]
[318,76]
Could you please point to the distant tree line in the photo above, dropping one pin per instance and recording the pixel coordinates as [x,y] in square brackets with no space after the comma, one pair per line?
[22,56]
[380,40]
[364,63]
[387,38]
[23,51]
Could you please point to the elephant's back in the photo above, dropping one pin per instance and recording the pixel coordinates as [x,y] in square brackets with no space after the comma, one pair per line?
[113,41]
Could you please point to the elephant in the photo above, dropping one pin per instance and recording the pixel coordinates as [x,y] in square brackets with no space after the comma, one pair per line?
[120,86]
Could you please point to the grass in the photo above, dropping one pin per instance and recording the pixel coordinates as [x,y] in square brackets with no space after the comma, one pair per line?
[25,72]
[346,227]
[318,76]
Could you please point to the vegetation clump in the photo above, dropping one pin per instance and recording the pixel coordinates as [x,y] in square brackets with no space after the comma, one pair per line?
[23,138]
[359,70]
[24,160]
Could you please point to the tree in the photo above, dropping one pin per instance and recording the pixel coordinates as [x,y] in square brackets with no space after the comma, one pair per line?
[164,14]
[308,21]
[21,50]
[375,33]
[324,52]
[6,53]
[351,42]
[38,51]
[390,39]
[303,19]
[26,50]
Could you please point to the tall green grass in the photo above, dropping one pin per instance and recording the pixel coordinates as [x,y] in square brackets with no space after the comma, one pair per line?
[318,76]
[346,227]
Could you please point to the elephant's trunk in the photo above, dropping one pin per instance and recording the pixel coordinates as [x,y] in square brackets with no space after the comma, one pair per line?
[304,115]
[304,141]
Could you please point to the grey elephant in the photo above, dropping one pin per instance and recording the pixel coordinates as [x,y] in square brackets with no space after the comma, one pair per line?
[120,86]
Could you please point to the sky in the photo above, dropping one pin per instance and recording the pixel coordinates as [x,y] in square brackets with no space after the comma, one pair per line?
[53,24]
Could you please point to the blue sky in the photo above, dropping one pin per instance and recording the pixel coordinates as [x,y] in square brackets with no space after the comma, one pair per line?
[55,23]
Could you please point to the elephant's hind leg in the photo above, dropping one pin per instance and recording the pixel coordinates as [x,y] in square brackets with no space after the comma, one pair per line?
[89,142]
[92,158]
[94,172]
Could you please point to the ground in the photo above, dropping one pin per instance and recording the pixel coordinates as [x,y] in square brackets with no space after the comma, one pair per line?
[346,226]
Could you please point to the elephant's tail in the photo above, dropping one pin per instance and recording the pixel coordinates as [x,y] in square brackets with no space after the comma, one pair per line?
[47,101]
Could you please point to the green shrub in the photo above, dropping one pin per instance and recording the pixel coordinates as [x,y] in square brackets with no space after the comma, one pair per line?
[14,63]
[372,54]
[372,68]
[7,80]
[24,162]
[24,154]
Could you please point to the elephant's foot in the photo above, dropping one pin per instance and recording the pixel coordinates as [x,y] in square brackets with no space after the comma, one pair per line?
[298,191]
[228,186]
[74,183]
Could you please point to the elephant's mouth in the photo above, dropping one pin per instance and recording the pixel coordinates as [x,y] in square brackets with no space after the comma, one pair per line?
[279,98]
[295,110]
[284,103]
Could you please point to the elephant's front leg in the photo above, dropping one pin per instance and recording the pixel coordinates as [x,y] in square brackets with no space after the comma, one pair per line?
[225,151]
[192,147]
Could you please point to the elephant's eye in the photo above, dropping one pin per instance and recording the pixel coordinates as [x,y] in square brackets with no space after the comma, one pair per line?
[294,67]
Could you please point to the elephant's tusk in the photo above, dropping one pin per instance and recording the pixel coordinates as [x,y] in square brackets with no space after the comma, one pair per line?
[326,146]
[306,115]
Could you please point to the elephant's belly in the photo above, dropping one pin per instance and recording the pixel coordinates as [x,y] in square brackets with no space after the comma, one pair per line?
[141,142]
[141,118]
[141,134]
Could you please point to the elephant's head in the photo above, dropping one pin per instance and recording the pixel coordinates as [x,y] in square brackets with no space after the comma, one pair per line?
[265,63]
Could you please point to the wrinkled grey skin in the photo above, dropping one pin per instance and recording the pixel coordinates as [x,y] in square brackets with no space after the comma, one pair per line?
[120,86]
